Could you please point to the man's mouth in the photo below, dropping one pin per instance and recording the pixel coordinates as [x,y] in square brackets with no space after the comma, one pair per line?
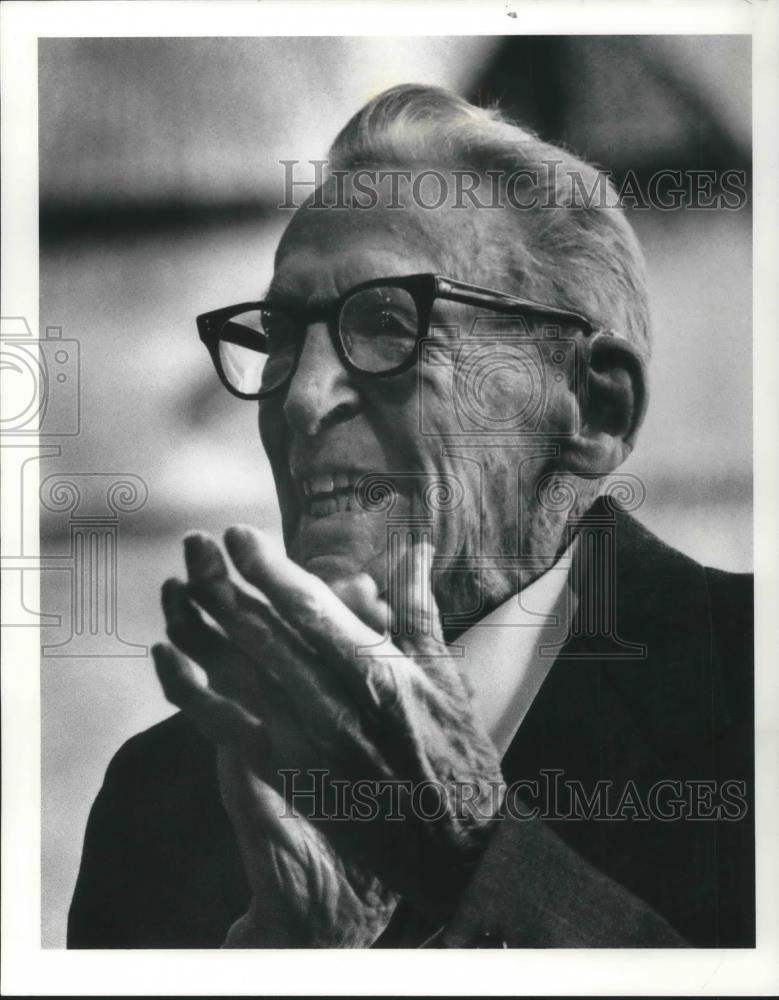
[329,492]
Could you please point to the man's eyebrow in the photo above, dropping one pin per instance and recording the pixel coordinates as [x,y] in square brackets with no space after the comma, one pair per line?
[282,294]
[280,298]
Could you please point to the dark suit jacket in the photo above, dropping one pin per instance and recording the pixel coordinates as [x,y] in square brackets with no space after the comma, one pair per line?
[660,691]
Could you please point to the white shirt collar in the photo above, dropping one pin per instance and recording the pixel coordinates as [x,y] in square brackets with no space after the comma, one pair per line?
[507,655]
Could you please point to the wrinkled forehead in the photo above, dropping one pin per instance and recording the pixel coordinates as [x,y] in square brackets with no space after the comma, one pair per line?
[459,242]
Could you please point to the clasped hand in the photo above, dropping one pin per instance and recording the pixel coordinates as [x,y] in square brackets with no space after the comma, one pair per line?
[302,677]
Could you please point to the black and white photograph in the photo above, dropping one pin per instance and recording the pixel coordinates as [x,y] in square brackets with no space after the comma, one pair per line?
[383,504]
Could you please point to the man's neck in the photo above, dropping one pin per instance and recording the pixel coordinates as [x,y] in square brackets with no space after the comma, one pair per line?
[469,600]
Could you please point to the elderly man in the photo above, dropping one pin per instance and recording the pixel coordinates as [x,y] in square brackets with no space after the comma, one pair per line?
[474,703]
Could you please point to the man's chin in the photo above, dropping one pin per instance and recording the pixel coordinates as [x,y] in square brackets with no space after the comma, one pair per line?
[340,545]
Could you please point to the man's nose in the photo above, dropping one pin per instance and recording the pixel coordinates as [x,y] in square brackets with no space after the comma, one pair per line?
[321,391]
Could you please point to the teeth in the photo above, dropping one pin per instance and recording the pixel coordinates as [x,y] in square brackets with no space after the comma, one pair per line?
[329,493]
[327,483]
[322,484]
[321,508]
[344,501]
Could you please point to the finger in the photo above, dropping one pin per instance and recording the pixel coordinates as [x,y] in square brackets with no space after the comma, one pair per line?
[361,595]
[247,617]
[316,611]
[274,649]
[211,586]
[228,669]
[220,719]
[206,567]
[300,598]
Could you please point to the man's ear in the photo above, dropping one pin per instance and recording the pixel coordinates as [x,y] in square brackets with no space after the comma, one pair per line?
[612,402]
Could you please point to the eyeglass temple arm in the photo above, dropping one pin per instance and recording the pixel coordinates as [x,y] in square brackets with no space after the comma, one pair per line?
[209,323]
[461,291]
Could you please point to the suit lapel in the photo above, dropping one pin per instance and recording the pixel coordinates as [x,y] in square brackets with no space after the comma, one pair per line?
[632,691]
[608,719]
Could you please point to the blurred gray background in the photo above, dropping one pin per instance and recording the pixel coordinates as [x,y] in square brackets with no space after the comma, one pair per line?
[159,178]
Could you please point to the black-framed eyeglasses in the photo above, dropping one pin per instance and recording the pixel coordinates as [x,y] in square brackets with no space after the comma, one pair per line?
[375,328]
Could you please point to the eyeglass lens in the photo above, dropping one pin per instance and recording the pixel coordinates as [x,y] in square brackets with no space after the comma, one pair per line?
[377,329]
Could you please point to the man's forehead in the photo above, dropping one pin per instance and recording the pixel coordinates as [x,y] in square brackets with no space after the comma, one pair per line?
[445,239]
[324,256]
[328,228]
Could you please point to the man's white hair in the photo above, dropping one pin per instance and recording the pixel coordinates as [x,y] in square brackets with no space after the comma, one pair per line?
[568,250]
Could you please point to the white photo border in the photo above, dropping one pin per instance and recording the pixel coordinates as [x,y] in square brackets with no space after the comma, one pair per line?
[29,969]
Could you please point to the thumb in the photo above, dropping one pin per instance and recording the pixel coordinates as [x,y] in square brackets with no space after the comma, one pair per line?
[361,595]
[416,623]
[259,814]
[249,801]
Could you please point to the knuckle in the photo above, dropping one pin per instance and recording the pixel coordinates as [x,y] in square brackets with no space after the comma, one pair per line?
[343,589]
[312,607]
[385,686]
[178,690]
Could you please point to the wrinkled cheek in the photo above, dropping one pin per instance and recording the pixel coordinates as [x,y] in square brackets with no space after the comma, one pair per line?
[446,488]
[480,437]
[270,423]
[273,435]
